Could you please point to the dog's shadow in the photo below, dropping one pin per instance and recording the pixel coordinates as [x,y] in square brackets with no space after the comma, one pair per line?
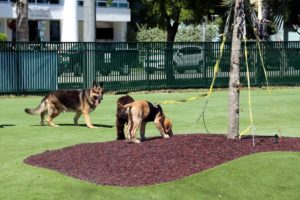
[6,125]
[83,125]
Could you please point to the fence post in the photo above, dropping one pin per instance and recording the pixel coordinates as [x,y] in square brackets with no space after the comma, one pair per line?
[259,66]
[18,67]
[147,67]
[204,64]
[169,63]
[89,71]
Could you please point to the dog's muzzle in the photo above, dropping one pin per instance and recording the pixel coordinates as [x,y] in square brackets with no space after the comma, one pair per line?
[97,100]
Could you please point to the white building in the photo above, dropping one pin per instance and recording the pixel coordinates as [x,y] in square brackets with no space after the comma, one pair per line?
[62,20]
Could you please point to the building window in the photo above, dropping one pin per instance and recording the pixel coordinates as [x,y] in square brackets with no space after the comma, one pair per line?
[105,4]
[54,1]
[45,1]
[104,33]
[42,1]
[80,3]
[54,31]
[33,31]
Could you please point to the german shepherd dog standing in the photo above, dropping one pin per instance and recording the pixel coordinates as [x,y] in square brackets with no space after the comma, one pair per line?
[82,102]
[139,113]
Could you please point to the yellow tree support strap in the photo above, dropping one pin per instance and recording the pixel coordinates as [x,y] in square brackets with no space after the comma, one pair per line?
[217,67]
[182,100]
[216,70]
[251,126]
[267,82]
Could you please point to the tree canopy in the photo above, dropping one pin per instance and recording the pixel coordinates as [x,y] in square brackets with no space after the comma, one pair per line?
[168,14]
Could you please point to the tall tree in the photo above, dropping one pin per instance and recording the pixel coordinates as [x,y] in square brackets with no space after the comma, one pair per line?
[285,12]
[89,35]
[234,76]
[169,13]
[89,22]
[22,27]
[279,12]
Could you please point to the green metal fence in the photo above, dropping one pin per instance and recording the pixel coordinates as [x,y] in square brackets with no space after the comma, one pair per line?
[42,67]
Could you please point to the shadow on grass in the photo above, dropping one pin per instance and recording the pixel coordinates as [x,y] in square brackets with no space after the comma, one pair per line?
[6,125]
[82,125]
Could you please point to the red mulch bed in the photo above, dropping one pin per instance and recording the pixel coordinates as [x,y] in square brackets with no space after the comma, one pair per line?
[154,161]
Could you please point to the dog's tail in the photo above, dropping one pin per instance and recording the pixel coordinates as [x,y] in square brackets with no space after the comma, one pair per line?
[41,108]
[128,105]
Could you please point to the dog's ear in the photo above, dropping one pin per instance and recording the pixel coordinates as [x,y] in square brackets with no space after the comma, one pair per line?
[159,108]
[101,84]
[94,84]
[168,124]
[168,127]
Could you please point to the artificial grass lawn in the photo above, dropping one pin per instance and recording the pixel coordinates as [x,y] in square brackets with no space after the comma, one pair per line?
[260,176]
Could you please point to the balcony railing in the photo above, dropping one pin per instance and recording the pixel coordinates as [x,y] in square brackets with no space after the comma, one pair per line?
[105,4]
[39,1]
[99,3]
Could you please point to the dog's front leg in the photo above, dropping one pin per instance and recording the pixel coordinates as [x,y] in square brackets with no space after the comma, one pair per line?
[88,120]
[77,116]
[160,128]
[43,114]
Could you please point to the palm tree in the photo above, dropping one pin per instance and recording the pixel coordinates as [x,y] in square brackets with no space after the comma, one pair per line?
[89,27]
[89,35]
[284,12]
[22,28]
[278,11]
[234,76]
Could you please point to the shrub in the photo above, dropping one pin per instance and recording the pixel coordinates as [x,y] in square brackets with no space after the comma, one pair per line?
[145,34]
[185,33]
[3,37]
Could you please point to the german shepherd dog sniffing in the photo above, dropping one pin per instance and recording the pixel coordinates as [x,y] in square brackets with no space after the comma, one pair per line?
[122,115]
[139,113]
[82,102]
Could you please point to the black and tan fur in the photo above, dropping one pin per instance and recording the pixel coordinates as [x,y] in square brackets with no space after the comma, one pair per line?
[82,102]
[122,115]
[139,113]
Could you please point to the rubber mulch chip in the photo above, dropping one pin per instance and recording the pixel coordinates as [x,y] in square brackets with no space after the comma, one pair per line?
[155,160]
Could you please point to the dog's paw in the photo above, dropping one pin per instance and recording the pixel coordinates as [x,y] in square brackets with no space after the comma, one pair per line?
[166,136]
[92,126]
[54,125]
[136,141]
[42,123]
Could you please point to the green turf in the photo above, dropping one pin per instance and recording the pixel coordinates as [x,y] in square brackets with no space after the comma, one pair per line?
[260,176]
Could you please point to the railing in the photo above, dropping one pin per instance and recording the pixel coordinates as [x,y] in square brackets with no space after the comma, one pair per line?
[99,3]
[105,4]
[45,1]
[42,67]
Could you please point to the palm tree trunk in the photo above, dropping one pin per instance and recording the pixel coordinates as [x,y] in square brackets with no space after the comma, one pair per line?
[89,22]
[234,76]
[89,35]
[22,33]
